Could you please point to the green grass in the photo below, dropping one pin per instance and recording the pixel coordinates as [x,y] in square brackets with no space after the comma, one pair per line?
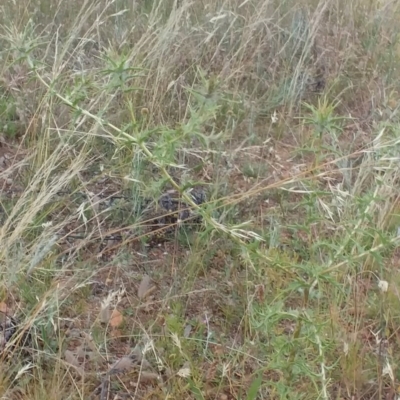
[286,113]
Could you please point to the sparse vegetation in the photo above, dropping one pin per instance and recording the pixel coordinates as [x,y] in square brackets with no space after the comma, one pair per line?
[283,282]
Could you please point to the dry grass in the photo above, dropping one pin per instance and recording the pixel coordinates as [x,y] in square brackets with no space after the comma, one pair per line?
[287,113]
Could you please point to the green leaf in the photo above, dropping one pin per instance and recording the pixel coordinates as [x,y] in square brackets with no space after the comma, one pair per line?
[254,387]
[195,390]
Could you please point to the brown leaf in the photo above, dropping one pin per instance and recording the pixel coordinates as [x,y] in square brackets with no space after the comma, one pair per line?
[186,332]
[3,308]
[144,287]
[71,359]
[137,355]
[123,364]
[116,319]
[116,333]
[146,376]
[105,313]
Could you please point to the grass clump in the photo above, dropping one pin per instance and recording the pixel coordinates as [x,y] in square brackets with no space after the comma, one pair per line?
[281,283]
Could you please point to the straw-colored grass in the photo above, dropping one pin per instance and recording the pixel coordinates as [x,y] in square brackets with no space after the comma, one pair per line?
[285,113]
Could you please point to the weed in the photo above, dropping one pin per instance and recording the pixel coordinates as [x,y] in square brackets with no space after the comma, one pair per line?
[281,282]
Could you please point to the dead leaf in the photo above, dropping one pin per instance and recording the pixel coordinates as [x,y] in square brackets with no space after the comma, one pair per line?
[3,308]
[116,333]
[149,376]
[150,292]
[2,163]
[149,305]
[105,313]
[137,355]
[122,365]
[144,287]
[186,332]
[116,319]
[71,359]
